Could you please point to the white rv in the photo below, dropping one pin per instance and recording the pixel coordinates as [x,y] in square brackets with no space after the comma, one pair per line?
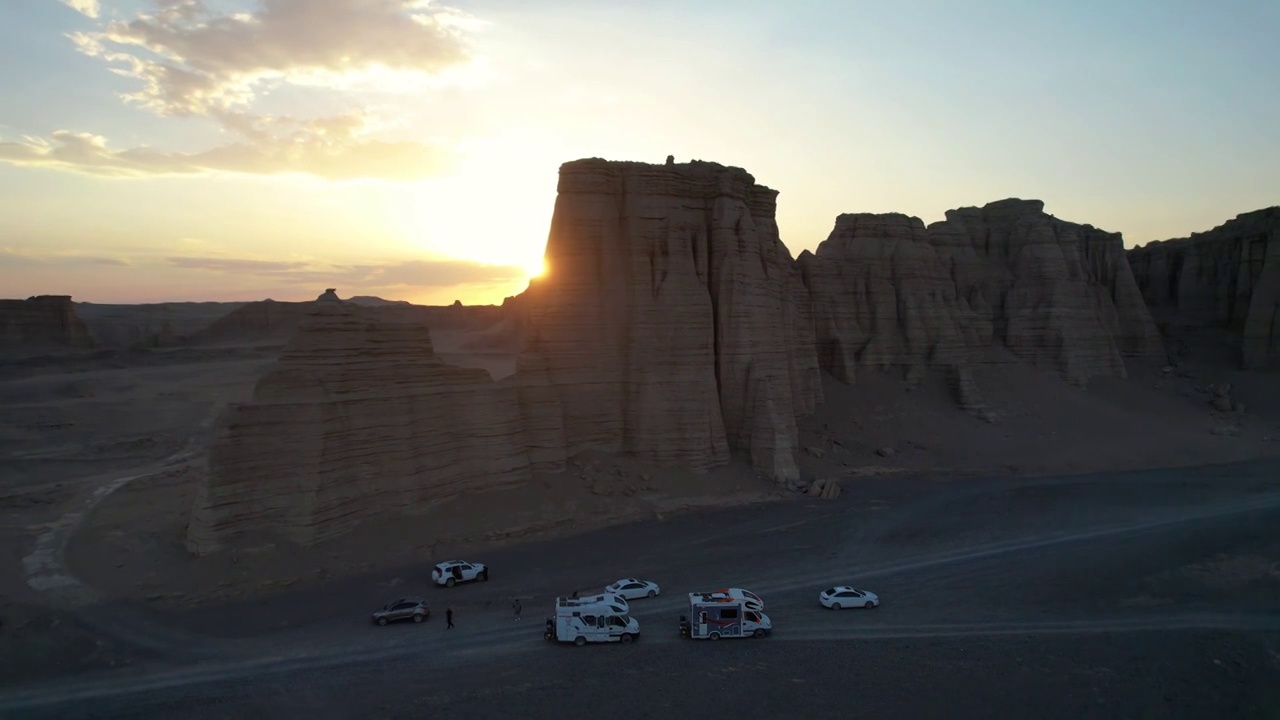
[599,618]
[715,615]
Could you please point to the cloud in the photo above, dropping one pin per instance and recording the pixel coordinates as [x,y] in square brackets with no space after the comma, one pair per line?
[88,8]
[193,61]
[11,256]
[334,148]
[410,273]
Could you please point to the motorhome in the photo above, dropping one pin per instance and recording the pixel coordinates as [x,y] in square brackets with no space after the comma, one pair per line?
[716,615]
[598,618]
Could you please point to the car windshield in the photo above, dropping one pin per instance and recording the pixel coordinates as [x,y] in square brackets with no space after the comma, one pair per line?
[829,591]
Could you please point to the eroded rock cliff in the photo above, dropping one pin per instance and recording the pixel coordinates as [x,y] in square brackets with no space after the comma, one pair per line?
[673,326]
[359,418]
[889,292]
[41,323]
[1228,277]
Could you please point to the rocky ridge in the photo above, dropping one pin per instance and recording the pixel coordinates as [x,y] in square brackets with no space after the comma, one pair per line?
[1227,277]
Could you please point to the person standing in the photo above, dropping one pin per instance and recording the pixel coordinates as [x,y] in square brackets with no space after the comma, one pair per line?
[516,605]
[448,617]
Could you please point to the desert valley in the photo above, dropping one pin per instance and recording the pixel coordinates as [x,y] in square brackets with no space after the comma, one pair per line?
[187,486]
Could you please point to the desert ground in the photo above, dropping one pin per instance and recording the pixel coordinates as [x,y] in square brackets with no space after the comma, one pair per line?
[1023,572]
[1144,594]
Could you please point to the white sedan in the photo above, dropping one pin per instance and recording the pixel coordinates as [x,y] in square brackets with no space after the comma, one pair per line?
[631,588]
[843,596]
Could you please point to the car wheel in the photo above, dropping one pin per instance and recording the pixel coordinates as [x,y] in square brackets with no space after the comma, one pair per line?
[714,636]
[448,583]
[382,621]
[579,641]
[417,618]
[484,576]
[626,638]
[759,633]
[653,593]
[836,606]
[867,605]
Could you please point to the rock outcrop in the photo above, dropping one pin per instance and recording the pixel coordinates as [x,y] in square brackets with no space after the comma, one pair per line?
[1228,277]
[888,292]
[674,325]
[359,418]
[42,323]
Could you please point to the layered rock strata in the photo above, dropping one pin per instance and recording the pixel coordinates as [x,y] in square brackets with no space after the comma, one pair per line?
[1228,277]
[674,325]
[41,323]
[889,292]
[357,419]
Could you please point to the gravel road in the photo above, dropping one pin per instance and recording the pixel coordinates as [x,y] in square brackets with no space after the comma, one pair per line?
[1134,595]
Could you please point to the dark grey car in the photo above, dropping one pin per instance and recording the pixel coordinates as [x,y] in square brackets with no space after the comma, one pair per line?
[410,608]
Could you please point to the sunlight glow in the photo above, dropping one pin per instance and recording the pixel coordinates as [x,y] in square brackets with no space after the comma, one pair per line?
[536,269]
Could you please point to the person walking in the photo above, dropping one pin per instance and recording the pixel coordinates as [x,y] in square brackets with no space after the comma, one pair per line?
[516,605]
[448,617]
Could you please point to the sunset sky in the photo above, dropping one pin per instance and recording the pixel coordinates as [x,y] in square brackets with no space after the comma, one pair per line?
[157,150]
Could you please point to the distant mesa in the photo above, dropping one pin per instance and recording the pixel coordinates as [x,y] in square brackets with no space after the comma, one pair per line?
[677,329]
[40,324]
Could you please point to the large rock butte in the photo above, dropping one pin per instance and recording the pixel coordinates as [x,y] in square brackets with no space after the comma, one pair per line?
[888,292]
[1228,277]
[41,323]
[673,327]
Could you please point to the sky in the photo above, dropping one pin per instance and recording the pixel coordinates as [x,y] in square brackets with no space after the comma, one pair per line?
[163,150]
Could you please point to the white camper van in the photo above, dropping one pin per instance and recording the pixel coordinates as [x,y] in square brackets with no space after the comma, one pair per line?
[714,615]
[599,618]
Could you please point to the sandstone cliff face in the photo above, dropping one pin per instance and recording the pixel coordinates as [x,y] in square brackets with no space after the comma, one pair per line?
[887,291]
[1227,277]
[672,326]
[359,418]
[41,323]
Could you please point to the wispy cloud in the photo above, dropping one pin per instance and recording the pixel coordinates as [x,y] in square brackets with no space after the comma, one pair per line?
[192,61]
[88,8]
[337,155]
[13,256]
[410,273]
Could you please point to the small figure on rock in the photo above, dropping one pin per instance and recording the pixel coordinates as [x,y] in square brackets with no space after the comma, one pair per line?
[671,159]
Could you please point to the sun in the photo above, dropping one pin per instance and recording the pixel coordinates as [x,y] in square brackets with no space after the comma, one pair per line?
[536,268]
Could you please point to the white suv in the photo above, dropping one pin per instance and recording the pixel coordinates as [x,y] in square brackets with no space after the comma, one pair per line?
[451,572]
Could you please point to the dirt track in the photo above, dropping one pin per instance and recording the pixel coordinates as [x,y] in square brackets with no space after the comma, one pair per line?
[1153,594]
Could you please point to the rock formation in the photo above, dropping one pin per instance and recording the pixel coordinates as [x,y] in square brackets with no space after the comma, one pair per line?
[1228,277]
[121,327]
[888,292]
[40,324]
[359,418]
[674,325]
